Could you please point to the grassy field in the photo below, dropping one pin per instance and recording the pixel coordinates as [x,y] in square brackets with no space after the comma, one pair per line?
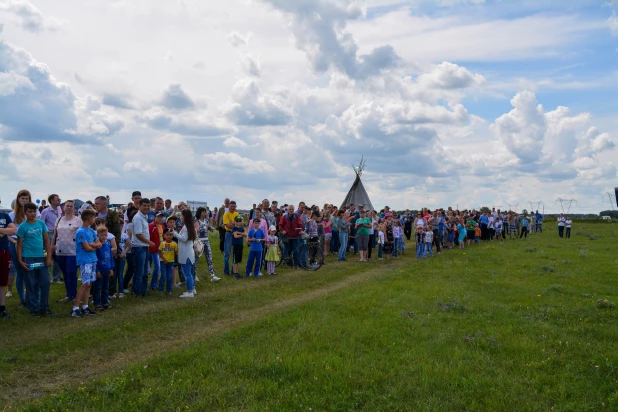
[517,325]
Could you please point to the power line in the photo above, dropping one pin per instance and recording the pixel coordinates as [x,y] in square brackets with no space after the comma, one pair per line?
[612,198]
[567,202]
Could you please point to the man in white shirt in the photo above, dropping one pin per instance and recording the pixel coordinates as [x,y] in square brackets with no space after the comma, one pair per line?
[561,221]
[139,247]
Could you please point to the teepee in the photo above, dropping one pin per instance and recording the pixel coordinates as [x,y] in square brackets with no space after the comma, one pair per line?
[357,194]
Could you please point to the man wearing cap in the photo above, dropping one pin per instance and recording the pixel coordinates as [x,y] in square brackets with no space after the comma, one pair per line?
[219,223]
[229,217]
[155,229]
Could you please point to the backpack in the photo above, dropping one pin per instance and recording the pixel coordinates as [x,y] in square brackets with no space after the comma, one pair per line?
[198,248]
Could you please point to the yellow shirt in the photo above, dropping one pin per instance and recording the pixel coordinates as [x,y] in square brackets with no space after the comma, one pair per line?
[229,217]
[169,250]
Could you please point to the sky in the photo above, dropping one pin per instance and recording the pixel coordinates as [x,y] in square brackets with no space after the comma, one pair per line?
[461,103]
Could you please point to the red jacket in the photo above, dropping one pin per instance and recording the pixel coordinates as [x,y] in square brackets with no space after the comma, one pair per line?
[155,237]
[290,225]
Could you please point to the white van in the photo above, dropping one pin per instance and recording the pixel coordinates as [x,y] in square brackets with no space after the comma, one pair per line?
[606,217]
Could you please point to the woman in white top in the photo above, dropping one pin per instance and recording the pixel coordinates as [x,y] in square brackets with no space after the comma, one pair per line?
[420,220]
[568,222]
[186,255]
[561,221]
[63,245]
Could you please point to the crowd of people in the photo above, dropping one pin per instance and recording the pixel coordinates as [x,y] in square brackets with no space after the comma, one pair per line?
[150,246]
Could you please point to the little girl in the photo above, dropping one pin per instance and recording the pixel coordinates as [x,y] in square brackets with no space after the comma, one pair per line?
[428,242]
[420,242]
[273,253]
[461,229]
[380,240]
[397,234]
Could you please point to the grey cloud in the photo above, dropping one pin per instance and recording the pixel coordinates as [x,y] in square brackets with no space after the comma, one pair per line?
[250,107]
[174,97]
[183,125]
[318,26]
[119,101]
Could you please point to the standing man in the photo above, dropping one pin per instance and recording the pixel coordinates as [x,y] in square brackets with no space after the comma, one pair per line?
[407,224]
[267,214]
[112,220]
[539,222]
[219,223]
[229,217]
[168,207]
[50,216]
[7,229]
[139,248]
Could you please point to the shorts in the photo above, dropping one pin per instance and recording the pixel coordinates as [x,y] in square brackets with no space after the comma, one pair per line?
[363,242]
[5,263]
[236,253]
[328,236]
[471,235]
[450,237]
[88,273]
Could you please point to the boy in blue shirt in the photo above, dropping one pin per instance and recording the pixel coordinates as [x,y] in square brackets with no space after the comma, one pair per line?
[32,243]
[105,266]
[86,245]
[255,238]
[524,227]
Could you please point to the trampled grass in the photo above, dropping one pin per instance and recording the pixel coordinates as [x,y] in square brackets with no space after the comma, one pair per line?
[518,325]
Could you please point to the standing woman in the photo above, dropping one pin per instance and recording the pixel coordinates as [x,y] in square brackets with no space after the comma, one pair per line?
[186,256]
[334,244]
[389,242]
[203,226]
[561,221]
[373,232]
[327,226]
[568,222]
[16,274]
[63,245]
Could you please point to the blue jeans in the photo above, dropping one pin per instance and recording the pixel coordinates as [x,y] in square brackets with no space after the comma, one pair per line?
[343,244]
[420,250]
[428,248]
[36,279]
[130,262]
[56,269]
[140,271]
[19,273]
[118,280]
[100,290]
[379,251]
[68,266]
[167,270]
[186,268]
[227,250]
[334,242]
[156,263]
[396,247]
[254,259]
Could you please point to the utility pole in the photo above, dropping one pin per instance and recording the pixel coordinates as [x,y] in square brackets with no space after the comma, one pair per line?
[511,207]
[612,198]
[568,202]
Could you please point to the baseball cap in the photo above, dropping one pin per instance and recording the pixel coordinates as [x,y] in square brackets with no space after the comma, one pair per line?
[160,214]
[272,227]
[238,219]
[171,217]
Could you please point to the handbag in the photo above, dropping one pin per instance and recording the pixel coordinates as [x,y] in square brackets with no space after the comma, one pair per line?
[198,248]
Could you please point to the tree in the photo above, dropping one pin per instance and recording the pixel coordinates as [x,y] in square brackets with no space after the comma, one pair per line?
[524,212]
[485,209]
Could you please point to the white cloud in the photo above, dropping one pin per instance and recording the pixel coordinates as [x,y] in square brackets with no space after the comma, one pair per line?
[236,39]
[175,98]
[250,106]
[29,16]
[232,162]
[612,23]
[234,142]
[138,167]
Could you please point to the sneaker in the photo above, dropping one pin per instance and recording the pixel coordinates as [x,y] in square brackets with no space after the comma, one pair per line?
[76,313]
[88,311]
[194,291]
[197,279]
[47,313]
[35,314]
[64,300]
[121,295]
[107,307]
[125,291]
[273,273]
[247,275]
[113,296]
[9,294]
[5,315]
[187,295]
[259,275]
[213,279]
[237,276]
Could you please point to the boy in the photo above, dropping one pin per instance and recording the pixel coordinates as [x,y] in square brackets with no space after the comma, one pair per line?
[156,236]
[498,228]
[7,229]
[170,223]
[380,241]
[419,236]
[105,270]
[255,238]
[86,245]
[477,234]
[168,252]
[32,241]
[524,227]
[428,242]
[238,232]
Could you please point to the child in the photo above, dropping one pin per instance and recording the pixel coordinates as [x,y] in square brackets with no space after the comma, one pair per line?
[171,224]
[419,235]
[461,229]
[238,232]
[168,252]
[450,233]
[524,227]
[32,243]
[397,233]
[274,252]
[428,242]
[477,234]
[105,270]
[255,239]
[124,245]
[155,230]
[86,245]
[498,228]
[380,241]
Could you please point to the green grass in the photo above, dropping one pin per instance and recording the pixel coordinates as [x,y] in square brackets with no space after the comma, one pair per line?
[518,325]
